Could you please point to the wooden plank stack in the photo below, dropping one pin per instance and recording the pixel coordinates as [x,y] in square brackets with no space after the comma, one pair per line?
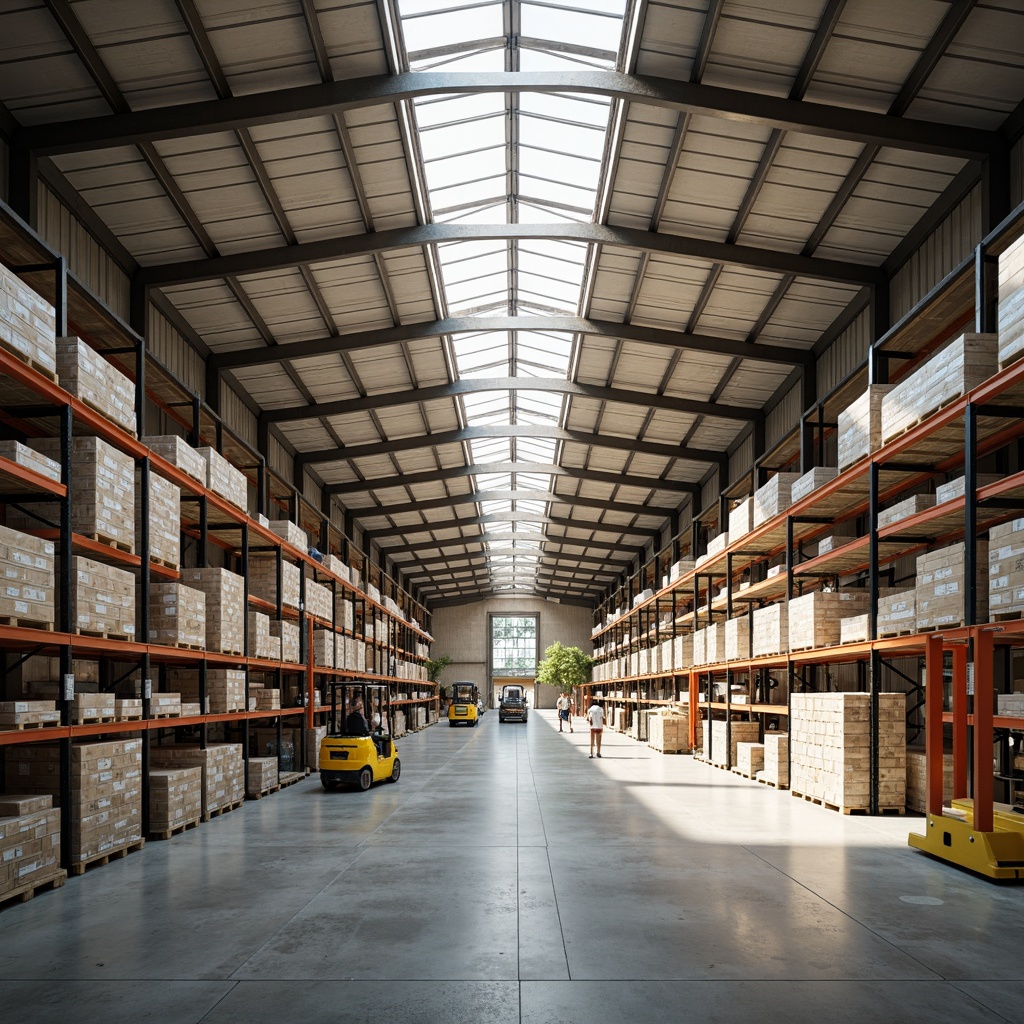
[223,772]
[103,599]
[725,754]
[177,616]
[27,569]
[771,630]
[669,733]
[954,370]
[1006,569]
[814,618]
[940,586]
[1011,303]
[178,452]
[28,325]
[774,497]
[225,607]
[860,426]
[175,799]
[29,842]
[917,780]
[102,492]
[85,374]
[830,749]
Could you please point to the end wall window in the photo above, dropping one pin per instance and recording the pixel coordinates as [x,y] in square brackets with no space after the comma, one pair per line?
[514,645]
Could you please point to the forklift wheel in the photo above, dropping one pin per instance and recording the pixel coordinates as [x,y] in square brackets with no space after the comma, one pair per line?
[366,778]
[396,771]
[329,786]
[452,724]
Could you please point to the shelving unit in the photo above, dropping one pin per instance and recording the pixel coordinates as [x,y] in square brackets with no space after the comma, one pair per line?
[986,423]
[34,405]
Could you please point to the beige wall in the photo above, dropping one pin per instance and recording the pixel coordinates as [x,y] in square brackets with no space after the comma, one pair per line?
[461,631]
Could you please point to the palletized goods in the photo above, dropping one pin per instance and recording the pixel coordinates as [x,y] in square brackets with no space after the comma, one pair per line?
[103,599]
[1006,569]
[749,758]
[860,426]
[27,570]
[178,452]
[940,586]
[811,481]
[814,618]
[28,325]
[905,509]
[175,798]
[290,533]
[961,365]
[830,753]
[1011,303]
[163,518]
[289,634]
[741,519]
[725,736]
[897,612]
[669,733]
[263,580]
[917,780]
[177,616]
[29,842]
[262,775]
[776,759]
[225,607]
[737,638]
[774,497]
[27,458]
[223,771]
[771,630]
[222,478]
[85,374]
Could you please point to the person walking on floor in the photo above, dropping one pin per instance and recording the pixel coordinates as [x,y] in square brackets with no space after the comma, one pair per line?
[596,718]
[562,706]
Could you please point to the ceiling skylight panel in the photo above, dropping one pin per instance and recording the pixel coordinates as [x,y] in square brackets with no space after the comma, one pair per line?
[531,507]
[550,165]
[533,481]
[567,25]
[495,508]
[535,212]
[494,481]
[536,449]
[439,110]
[491,407]
[536,189]
[562,296]
[471,165]
[573,109]
[548,350]
[537,407]
[585,140]
[490,449]
[448,25]
[471,259]
[462,136]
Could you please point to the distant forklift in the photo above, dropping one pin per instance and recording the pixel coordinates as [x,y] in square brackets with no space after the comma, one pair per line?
[512,704]
[463,709]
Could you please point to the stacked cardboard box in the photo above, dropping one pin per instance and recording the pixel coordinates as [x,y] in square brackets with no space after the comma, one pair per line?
[223,771]
[811,481]
[776,759]
[940,586]
[897,612]
[724,753]
[741,519]
[860,426]
[127,709]
[266,699]
[344,612]
[814,618]
[164,517]
[737,638]
[85,374]
[319,600]
[93,707]
[1006,569]
[175,798]
[290,533]
[1010,704]
[29,842]
[21,455]
[289,634]
[103,599]
[225,688]
[682,652]
[222,478]
[178,452]
[102,492]
[905,509]
[749,759]
[830,748]
[261,643]
[323,648]
[963,364]
[1011,303]
[263,580]
[917,780]
[26,568]
[332,563]
[225,607]
[165,705]
[774,497]
[955,488]
[771,630]
[853,629]
[314,737]
[28,325]
[19,713]
[262,775]
[177,616]
[669,733]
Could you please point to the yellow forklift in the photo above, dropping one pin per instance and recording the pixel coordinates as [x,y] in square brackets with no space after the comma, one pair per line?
[358,749]
[463,709]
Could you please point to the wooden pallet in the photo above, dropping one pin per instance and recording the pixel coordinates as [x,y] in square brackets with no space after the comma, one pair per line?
[290,778]
[922,416]
[23,893]
[742,775]
[223,809]
[104,858]
[12,620]
[768,782]
[165,562]
[898,632]
[843,809]
[176,830]
[22,726]
[110,542]
[100,634]
[88,719]
[1007,616]
[260,794]
[106,414]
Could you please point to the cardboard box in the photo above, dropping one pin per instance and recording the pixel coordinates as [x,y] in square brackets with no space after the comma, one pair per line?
[860,426]
[88,376]
[164,519]
[104,599]
[771,630]
[224,480]
[21,455]
[175,798]
[222,772]
[28,324]
[774,497]
[177,616]
[225,607]
[814,618]
[178,452]
[27,573]
[1011,303]
[776,759]
[940,586]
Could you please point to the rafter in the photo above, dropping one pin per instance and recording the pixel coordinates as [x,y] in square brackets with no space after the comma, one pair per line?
[475,386]
[359,245]
[412,529]
[474,557]
[551,433]
[547,539]
[327,98]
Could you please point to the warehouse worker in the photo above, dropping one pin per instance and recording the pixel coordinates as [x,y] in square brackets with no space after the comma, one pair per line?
[596,718]
[562,705]
[355,722]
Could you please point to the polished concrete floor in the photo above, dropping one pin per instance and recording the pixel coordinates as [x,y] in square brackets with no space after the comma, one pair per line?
[509,878]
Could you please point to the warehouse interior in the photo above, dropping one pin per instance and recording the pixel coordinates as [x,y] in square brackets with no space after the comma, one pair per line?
[349,351]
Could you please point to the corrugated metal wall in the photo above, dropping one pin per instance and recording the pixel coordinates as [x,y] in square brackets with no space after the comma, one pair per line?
[236,415]
[87,259]
[948,246]
[784,417]
[1017,174]
[171,349]
[845,354]
[742,459]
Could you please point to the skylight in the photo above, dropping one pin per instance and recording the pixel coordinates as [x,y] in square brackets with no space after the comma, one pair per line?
[511,158]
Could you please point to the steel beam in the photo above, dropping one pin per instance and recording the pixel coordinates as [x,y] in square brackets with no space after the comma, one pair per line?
[627,508]
[472,557]
[344,343]
[404,444]
[542,468]
[474,386]
[328,98]
[430,544]
[412,529]
[356,246]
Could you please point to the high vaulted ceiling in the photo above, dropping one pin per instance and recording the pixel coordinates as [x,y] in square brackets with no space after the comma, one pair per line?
[510,277]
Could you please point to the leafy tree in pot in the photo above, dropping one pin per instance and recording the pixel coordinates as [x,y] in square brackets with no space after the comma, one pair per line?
[435,666]
[564,667]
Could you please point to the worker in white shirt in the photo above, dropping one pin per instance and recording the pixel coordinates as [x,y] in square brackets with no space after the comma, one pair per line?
[596,718]
[562,706]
